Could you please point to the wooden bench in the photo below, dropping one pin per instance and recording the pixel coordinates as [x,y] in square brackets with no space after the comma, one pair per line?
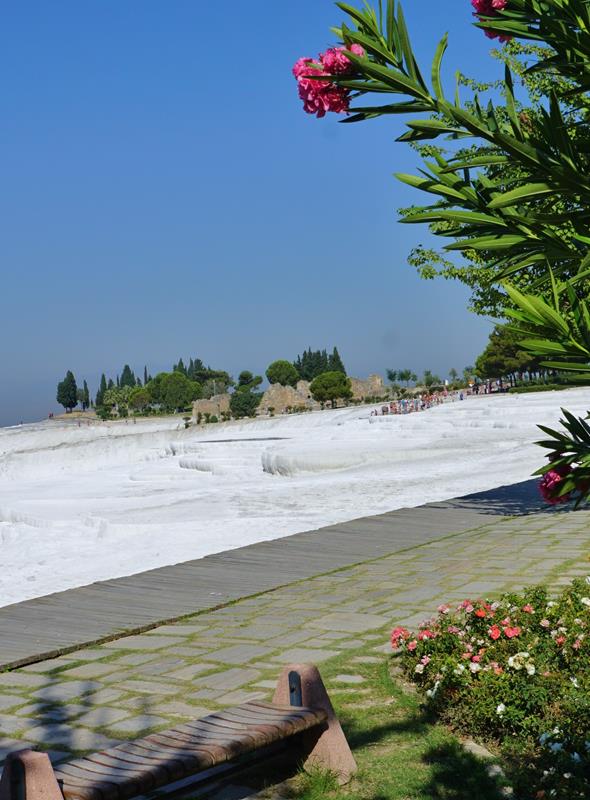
[300,718]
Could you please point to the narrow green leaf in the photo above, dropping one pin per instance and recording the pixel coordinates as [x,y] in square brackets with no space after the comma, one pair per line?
[524,193]
[436,65]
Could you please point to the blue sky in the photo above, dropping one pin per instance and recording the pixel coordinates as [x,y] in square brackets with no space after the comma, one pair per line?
[163,194]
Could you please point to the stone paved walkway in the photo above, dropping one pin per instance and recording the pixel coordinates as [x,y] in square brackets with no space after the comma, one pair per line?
[94,697]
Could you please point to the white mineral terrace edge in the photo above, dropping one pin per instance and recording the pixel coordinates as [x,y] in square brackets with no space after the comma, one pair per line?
[80,504]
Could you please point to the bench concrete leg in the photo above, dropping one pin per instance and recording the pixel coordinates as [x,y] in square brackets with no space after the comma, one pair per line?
[28,775]
[331,750]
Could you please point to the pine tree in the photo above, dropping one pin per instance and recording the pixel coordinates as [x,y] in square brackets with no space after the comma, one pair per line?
[335,362]
[101,390]
[127,377]
[67,392]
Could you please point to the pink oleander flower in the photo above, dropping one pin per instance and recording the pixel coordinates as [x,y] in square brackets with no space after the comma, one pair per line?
[335,61]
[577,644]
[453,629]
[425,660]
[528,609]
[321,96]
[412,645]
[560,640]
[549,485]
[489,8]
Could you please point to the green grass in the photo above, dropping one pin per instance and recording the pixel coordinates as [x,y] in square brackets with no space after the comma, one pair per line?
[401,752]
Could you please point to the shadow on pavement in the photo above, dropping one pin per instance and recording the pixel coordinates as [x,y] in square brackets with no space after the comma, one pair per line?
[514,500]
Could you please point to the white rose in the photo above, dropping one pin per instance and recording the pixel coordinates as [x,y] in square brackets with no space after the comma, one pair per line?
[530,668]
[474,667]
[585,601]
[500,709]
[419,668]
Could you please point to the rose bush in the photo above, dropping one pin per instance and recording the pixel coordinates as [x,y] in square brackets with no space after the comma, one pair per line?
[515,672]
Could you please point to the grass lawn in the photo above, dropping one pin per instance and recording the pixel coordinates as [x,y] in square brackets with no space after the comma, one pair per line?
[402,754]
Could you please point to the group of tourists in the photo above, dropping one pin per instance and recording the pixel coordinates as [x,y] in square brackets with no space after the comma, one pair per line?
[421,402]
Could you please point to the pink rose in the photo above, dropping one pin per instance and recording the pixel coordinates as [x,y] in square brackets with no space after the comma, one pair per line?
[511,633]
[398,635]
[412,645]
[528,609]
[494,632]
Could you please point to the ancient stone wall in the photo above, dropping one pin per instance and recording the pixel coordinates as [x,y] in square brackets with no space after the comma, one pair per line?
[214,405]
[373,386]
[280,398]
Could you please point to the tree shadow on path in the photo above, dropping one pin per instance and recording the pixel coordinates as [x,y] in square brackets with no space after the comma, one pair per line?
[518,499]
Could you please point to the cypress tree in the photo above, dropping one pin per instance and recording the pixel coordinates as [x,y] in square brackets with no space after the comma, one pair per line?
[127,377]
[101,390]
[110,384]
[335,362]
[118,383]
[67,392]
[145,376]
[86,400]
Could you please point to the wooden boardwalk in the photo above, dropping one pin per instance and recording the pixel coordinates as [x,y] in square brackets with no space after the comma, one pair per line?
[46,626]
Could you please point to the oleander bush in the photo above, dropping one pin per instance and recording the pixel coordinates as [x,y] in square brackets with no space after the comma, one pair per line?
[515,673]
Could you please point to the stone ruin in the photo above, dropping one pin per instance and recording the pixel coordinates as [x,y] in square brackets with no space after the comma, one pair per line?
[215,405]
[283,399]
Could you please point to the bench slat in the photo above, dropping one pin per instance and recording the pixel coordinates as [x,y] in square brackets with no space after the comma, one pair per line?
[133,768]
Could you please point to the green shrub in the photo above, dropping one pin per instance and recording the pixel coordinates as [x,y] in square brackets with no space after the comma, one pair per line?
[516,672]
[212,419]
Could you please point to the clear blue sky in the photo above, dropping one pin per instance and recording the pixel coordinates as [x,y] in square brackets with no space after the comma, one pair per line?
[163,194]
